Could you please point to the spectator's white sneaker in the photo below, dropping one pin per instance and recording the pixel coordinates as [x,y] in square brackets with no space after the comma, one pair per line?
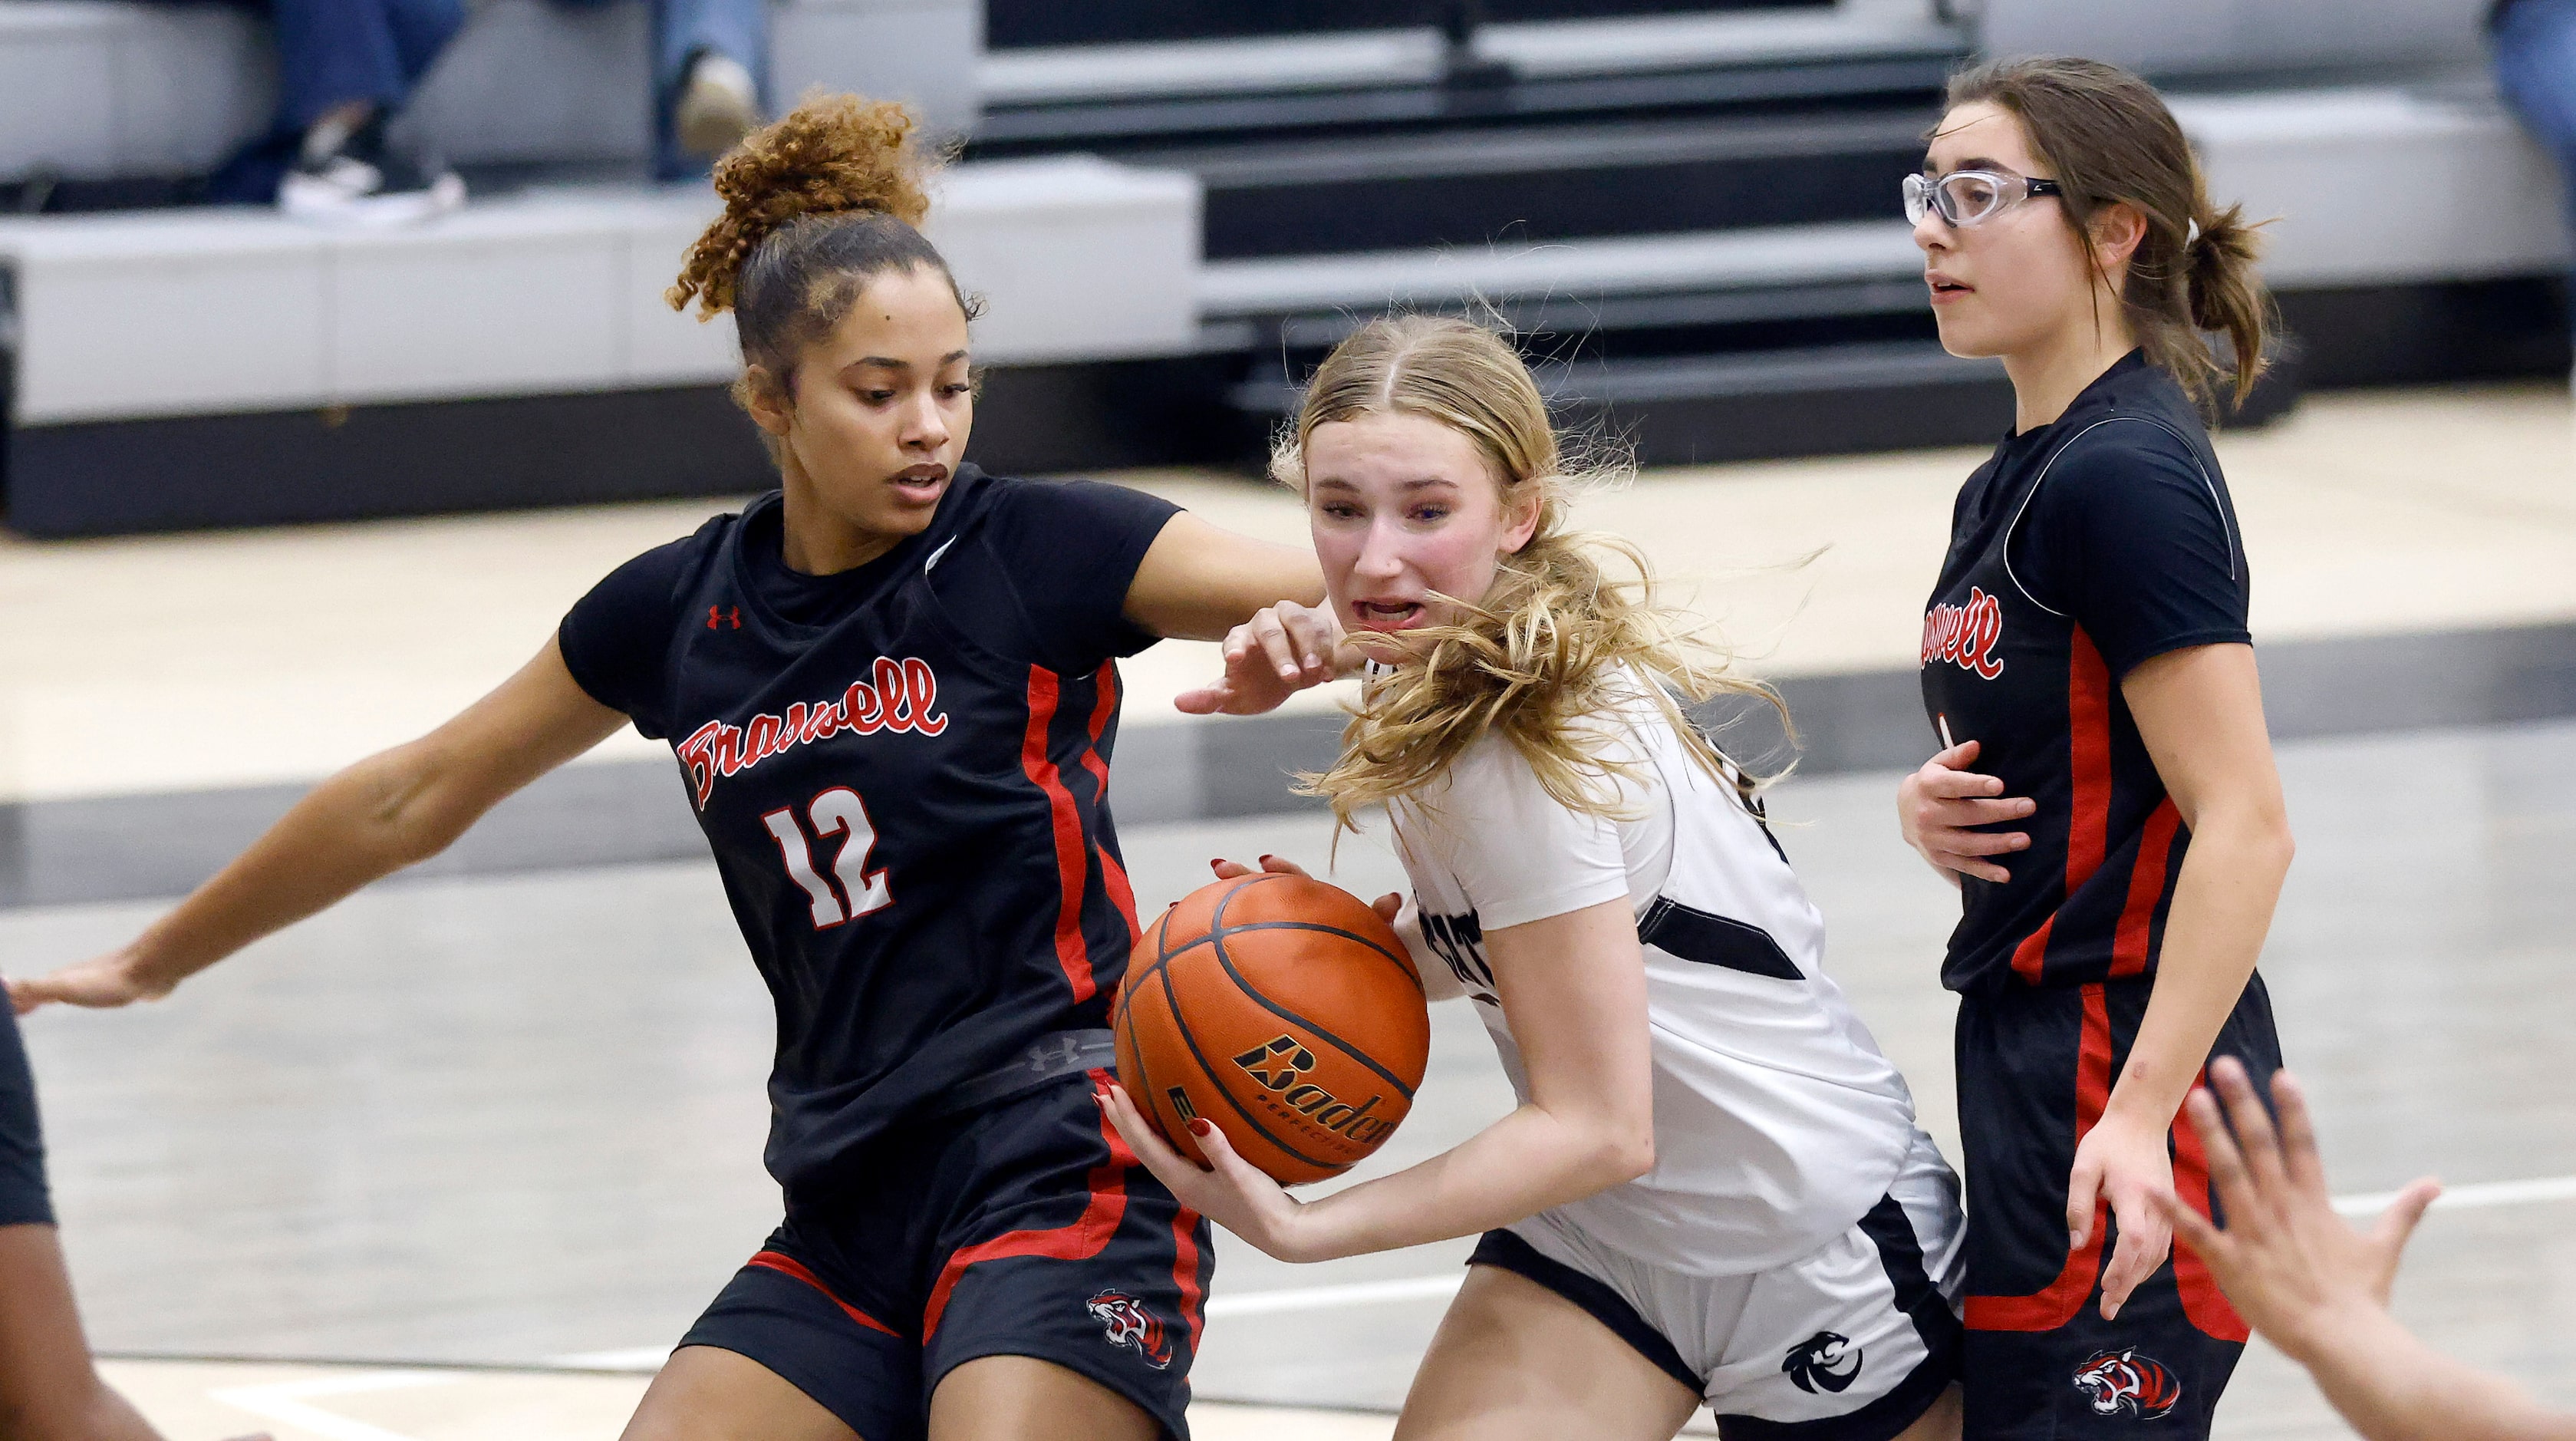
[718,106]
[363,180]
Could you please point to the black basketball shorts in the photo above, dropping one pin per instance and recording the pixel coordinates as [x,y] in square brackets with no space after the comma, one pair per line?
[2036,1065]
[1028,1229]
[23,1198]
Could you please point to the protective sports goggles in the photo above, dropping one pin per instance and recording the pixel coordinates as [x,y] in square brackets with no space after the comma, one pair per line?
[1970,197]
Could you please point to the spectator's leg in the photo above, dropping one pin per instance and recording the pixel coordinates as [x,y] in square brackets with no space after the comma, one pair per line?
[421,30]
[334,56]
[683,32]
[2535,65]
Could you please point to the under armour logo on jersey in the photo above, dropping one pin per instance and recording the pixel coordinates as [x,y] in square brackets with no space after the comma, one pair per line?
[1823,1362]
[717,615]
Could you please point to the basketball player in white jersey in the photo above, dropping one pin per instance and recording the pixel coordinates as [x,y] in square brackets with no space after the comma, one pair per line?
[1713,1190]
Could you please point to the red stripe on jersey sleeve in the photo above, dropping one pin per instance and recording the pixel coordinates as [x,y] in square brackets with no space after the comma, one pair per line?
[1085,1238]
[2056,1304]
[1072,872]
[2146,888]
[787,1265]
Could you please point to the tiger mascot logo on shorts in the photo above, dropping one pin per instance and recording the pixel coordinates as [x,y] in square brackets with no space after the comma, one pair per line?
[2118,1381]
[1125,1322]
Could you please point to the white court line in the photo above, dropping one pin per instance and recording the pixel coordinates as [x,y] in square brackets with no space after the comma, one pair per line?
[1320,1298]
[2472,1197]
[285,1401]
[644,1360]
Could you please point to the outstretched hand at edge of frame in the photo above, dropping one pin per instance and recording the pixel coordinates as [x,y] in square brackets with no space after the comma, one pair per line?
[2294,1269]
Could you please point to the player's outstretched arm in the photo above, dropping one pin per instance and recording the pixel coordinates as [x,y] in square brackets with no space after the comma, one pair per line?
[2317,1288]
[1198,582]
[386,812]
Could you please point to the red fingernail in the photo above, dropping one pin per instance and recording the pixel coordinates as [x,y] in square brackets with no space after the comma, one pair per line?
[1200,1126]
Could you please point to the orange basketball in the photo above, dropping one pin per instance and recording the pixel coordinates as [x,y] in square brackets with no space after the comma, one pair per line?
[1284,1011]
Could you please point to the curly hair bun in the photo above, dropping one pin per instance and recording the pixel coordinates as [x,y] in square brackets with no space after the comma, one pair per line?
[831,155]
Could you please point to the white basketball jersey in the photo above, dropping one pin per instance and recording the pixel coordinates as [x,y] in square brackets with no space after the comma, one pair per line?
[1778,1124]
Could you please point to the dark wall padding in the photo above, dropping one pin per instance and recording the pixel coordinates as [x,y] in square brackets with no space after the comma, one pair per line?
[1026,23]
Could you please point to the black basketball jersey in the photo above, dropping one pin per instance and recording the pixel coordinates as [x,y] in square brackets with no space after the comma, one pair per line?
[909,814]
[2081,549]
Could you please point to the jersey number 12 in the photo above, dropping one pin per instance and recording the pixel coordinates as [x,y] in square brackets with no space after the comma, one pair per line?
[836,812]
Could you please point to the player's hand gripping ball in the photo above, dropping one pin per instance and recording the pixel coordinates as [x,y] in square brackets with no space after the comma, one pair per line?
[1280,1009]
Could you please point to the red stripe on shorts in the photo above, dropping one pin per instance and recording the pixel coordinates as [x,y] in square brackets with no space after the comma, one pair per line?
[1185,1270]
[2207,1307]
[2056,1304]
[1087,1237]
[789,1266]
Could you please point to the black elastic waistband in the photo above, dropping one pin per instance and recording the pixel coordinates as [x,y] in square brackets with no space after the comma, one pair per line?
[1052,1057]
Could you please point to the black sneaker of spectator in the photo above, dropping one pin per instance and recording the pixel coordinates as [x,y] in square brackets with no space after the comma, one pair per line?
[365,176]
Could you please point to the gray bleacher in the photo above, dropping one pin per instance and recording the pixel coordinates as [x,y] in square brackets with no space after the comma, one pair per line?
[106,88]
[193,366]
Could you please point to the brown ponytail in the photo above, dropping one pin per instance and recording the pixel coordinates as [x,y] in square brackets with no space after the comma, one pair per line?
[2226,297]
[816,203]
[2111,139]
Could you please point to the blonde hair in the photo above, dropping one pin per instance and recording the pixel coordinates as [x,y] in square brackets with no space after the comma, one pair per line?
[1546,650]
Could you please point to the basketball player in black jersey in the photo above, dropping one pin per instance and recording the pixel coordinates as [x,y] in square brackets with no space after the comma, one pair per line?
[892,693]
[2105,796]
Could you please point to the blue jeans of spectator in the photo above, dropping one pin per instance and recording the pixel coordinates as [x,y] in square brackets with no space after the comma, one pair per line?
[331,52]
[683,30]
[2535,66]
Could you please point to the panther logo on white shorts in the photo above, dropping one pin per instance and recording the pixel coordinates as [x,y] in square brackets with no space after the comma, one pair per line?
[1823,1362]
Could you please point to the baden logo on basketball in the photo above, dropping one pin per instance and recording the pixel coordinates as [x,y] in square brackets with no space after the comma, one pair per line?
[1279,1011]
[1281,1068]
